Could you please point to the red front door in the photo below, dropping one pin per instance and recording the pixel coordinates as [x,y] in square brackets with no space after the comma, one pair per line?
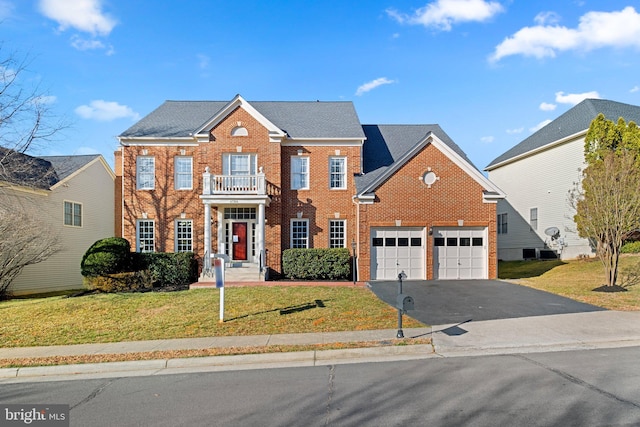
[239,238]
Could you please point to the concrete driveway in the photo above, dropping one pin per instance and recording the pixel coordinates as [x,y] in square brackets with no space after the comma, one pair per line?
[440,302]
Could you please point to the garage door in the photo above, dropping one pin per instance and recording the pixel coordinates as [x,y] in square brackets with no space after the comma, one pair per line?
[396,249]
[460,253]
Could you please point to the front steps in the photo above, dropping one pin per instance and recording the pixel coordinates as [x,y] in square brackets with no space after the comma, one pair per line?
[237,272]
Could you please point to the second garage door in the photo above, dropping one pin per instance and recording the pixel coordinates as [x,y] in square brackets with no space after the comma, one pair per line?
[460,253]
[396,249]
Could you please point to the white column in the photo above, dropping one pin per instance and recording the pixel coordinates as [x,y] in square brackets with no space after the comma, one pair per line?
[207,239]
[260,232]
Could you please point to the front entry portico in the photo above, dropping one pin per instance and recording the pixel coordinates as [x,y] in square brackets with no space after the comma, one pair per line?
[239,219]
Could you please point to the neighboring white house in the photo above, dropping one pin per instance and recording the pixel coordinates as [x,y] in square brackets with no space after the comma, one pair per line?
[77,203]
[535,219]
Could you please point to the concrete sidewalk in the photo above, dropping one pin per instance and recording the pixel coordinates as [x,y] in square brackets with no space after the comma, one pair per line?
[590,330]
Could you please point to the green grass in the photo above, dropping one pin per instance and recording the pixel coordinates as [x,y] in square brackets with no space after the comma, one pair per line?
[577,280]
[163,315]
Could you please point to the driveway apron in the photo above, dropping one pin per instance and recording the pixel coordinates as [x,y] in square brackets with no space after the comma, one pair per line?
[441,302]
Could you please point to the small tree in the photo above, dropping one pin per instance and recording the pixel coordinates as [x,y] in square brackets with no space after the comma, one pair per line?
[21,244]
[607,206]
[25,118]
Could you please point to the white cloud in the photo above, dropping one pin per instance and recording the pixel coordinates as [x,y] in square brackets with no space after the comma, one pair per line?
[515,131]
[86,44]
[83,15]
[546,18]
[596,30]
[441,14]
[540,125]
[487,139]
[373,84]
[545,106]
[105,111]
[635,89]
[575,98]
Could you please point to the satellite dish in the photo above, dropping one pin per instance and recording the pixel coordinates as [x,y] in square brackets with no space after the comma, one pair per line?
[552,232]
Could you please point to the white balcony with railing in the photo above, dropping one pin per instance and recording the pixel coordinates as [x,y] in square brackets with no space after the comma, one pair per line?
[233,184]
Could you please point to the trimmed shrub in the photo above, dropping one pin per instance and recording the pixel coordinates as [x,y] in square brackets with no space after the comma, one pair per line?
[631,248]
[105,257]
[168,270]
[132,281]
[317,264]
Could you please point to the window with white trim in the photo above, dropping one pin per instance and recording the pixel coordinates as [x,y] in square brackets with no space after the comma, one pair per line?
[145,235]
[184,235]
[338,172]
[73,214]
[145,172]
[533,218]
[299,233]
[337,228]
[299,173]
[183,173]
[502,223]
[239,164]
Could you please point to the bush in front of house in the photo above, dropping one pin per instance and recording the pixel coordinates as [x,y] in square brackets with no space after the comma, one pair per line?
[106,256]
[317,264]
[168,270]
[631,248]
[110,266]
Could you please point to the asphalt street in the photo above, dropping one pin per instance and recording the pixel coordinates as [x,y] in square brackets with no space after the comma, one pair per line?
[571,388]
[440,302]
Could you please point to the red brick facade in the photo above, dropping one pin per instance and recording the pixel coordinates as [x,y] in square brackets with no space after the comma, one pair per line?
[403,199]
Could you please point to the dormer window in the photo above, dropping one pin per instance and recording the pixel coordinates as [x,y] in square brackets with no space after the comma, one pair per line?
[239,131]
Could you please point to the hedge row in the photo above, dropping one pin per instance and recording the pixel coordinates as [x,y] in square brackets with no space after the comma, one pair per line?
[317,264]
[110,266]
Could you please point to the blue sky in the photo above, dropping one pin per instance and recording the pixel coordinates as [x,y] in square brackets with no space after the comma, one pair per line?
[489,72]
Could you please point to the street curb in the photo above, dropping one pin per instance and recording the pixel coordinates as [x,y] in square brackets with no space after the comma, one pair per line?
[219,363]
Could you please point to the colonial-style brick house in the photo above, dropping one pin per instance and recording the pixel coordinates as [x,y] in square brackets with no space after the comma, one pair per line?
[251,179]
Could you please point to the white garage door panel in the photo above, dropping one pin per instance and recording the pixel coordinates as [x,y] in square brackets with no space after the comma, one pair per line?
[396,249]
[460,253]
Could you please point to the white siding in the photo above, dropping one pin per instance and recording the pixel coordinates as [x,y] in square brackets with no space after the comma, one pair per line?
[93,187]
[540,181]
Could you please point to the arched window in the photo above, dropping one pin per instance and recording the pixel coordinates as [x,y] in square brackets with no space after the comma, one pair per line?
[239,131]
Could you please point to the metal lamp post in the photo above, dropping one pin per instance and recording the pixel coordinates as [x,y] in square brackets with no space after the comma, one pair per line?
[353,246]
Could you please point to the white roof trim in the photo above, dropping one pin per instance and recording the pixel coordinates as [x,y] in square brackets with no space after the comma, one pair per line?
[75,173]
[274,132]
[431,138]
[538,150]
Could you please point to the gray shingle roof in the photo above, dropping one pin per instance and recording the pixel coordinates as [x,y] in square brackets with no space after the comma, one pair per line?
[575,120]
[66,165]
[175,119]
[386,145]
[39,172]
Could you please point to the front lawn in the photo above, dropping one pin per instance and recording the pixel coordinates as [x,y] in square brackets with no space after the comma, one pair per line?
[577,280]
[164,315]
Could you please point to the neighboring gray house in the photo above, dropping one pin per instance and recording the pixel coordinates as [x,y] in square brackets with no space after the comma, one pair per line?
[535,219]
[76,201]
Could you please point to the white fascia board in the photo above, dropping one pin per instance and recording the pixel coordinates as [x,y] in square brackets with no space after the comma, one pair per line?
[468,168]
[330,142]
[546,147]
[83,168]
[150,141]
[236,102]
[364,199]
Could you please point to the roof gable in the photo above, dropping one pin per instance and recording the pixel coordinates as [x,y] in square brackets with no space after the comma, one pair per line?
[574,121]
[298,120]
[389,147]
